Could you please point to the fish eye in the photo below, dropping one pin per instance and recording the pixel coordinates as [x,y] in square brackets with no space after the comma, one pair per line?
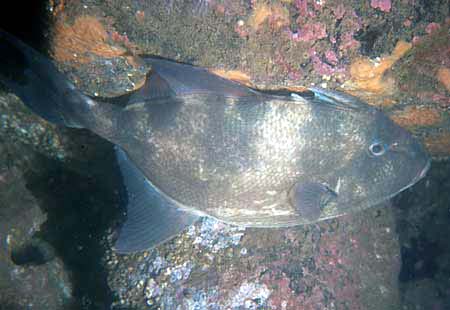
[377,149]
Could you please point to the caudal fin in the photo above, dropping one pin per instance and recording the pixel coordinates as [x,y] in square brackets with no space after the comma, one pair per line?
[35,79]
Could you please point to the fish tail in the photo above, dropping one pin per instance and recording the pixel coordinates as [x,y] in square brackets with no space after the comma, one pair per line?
[36,80]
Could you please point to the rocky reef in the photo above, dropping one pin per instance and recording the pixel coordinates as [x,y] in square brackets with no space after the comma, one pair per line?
[61,196]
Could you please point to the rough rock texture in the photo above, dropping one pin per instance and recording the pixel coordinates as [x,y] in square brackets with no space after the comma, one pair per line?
[393,57]
[61,186]
[350,263]
[24,284]
[58,200]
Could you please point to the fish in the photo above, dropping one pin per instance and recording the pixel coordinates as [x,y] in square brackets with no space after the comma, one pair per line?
[192,144]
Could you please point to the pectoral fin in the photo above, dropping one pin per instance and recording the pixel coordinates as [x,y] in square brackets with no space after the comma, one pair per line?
[152,218]
[309,198]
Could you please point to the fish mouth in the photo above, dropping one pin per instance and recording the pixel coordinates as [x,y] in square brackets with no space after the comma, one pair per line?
[416,179]
[422,173]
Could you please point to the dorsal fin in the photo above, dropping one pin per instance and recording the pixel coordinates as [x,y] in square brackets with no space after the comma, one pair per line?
[187,79]
[339,100]
[154,87]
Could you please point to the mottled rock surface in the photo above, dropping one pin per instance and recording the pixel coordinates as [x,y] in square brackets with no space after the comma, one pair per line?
[60,191]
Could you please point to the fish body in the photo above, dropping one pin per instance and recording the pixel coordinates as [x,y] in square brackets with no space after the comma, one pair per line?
[193,144]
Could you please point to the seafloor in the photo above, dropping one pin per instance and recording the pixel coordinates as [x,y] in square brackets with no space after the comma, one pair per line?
[61,196]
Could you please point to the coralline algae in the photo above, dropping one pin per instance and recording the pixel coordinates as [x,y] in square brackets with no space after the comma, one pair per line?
[215,235]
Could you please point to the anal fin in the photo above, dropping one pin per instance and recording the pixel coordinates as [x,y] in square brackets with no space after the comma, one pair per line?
[152,218]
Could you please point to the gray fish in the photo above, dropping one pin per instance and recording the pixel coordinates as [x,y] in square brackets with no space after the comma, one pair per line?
[192,144]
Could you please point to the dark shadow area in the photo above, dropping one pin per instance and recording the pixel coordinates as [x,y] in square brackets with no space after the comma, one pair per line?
[368,37]
[423,226]
[77,197]
[28,21]
[34,252]
[10,306]
[419,259]
[81,203]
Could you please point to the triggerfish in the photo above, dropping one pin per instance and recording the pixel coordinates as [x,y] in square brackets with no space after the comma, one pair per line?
[191,144]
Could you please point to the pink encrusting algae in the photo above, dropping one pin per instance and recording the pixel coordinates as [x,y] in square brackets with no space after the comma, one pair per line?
[339,11]
[348,42]
[324,280]
[292,73]
[302,7]
[383,5]
[331,57]
[312,28]
[327,64]
[432,27]
[310,32]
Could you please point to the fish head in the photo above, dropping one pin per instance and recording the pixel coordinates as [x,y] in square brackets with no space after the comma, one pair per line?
[387,160]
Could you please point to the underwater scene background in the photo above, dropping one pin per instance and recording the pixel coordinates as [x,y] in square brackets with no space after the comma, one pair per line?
[62,197]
